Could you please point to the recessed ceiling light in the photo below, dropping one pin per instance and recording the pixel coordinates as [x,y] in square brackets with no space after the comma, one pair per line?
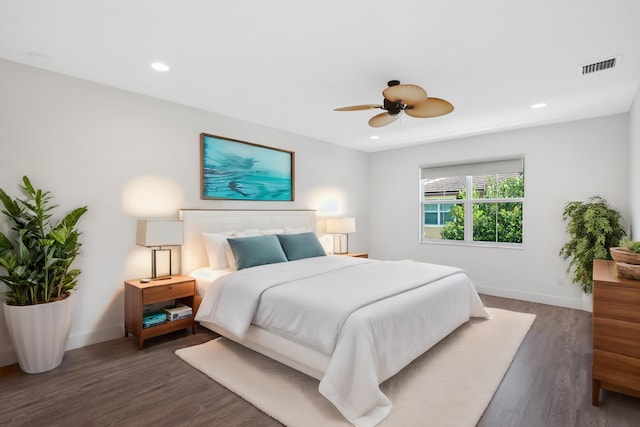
[159,66]
[539,105]
[375,137]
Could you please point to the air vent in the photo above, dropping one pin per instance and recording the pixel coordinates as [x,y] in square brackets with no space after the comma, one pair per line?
[599,66]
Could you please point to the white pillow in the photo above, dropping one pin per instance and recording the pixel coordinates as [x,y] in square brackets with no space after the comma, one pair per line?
[296,230]
[247,233]
[268,232]
[217,247]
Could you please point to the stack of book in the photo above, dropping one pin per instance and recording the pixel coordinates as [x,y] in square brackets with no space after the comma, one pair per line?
[153,318]
[178,312]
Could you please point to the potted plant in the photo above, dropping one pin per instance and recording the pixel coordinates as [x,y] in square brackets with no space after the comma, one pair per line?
[628,251]
[627,258]
[35,264]
[593,227]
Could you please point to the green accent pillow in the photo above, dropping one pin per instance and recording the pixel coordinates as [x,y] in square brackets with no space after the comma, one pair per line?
[256,250]
[302,245]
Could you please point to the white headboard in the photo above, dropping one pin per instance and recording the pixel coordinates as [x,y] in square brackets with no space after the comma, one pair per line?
[198,221]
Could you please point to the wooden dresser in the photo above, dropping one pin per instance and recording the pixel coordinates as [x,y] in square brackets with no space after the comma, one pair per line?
[616,332]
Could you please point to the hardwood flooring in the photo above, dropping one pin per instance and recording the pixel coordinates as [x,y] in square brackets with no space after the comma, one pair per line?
[112,383]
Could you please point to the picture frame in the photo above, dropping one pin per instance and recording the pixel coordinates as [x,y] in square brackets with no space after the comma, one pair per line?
[231,169]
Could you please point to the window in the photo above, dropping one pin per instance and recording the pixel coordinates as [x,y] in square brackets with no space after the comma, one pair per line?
[479,203]
[437,214]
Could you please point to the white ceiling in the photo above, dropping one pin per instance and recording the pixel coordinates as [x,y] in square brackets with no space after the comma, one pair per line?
[288,63]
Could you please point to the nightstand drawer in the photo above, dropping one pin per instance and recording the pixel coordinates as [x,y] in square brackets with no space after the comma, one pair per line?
[616,302]
[167,292]
[617,369]
[616,336]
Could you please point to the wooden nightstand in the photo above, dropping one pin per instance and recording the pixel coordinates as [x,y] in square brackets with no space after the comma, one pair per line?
[180,288]
[616,332]
[356,254]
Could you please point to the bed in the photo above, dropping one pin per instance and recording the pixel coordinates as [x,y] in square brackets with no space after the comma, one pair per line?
[349,322]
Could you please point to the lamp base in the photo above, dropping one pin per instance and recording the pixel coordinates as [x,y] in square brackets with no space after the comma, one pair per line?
[165,265]
[153,279]
[340,244]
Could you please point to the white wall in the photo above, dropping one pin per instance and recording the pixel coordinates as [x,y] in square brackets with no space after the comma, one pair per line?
[128,156]
[634,166]
[564,162]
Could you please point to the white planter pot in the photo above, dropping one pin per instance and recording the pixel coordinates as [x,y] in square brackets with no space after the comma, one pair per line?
[39,333]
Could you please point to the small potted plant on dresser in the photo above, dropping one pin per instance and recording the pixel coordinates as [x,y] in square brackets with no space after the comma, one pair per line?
[36,259]
[627,258]
[593,227]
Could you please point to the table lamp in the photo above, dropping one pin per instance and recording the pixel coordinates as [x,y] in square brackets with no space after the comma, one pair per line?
[155,234]
[340,227]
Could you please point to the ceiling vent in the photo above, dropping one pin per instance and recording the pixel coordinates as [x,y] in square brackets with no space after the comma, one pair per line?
[605,64]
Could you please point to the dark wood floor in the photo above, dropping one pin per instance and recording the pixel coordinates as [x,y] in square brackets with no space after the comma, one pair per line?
[111,383]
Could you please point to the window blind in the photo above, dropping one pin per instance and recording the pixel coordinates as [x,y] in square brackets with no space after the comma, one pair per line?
[505,166]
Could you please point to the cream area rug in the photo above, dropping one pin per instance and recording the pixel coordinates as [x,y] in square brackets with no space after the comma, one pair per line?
[450,385]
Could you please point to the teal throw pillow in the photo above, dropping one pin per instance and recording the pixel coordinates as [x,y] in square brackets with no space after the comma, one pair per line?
[256,250]
[302,245]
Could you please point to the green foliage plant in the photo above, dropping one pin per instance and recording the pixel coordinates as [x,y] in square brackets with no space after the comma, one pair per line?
[492,222]
[36,258]
[593,227]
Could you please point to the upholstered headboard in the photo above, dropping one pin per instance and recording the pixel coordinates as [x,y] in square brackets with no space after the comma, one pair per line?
[198,221]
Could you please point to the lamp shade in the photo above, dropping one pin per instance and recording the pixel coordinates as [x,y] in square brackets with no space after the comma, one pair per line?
[159,232]
[341,225]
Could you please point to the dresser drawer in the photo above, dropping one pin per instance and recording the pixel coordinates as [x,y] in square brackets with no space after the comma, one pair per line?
[623,371]
[168,292]
[616,336]
[616,302]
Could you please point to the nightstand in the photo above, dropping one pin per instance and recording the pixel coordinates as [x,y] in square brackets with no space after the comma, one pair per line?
[356,254]
[616,332]
[180,288]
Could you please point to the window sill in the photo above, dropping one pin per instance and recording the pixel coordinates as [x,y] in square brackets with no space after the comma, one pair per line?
[474,244]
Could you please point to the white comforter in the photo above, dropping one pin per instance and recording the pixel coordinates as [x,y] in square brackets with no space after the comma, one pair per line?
[372,317]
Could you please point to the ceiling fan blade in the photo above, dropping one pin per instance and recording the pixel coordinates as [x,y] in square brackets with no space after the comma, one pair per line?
[405,94]
[359,107]
[432,107]
[382,119]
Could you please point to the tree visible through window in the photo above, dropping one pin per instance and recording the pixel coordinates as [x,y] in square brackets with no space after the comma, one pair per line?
[485,205]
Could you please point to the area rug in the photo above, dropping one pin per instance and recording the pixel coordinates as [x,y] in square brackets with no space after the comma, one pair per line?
[450,385]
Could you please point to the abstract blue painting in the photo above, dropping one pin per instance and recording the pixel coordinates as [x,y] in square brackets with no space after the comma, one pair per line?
[239,170]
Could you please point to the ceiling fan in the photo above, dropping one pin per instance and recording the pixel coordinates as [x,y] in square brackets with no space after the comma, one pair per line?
[411,99]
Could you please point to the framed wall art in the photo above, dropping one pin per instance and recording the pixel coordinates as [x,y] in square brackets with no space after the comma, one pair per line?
[237,170]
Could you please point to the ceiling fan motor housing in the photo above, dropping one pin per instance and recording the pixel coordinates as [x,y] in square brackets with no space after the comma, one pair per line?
[393,108]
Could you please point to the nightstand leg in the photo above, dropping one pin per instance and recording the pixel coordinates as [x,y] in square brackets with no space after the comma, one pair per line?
[140,342]
[595,392]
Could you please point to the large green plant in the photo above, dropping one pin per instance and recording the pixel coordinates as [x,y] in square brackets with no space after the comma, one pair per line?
[38,257]
[594,227]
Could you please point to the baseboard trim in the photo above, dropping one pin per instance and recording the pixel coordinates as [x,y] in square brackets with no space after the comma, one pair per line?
[7,357]
[575,303]
[94,337]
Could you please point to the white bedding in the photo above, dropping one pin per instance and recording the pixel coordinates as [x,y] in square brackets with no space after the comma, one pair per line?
[376,317]
[206,278]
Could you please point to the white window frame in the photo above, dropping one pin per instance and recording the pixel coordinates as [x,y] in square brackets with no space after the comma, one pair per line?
[474,169]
